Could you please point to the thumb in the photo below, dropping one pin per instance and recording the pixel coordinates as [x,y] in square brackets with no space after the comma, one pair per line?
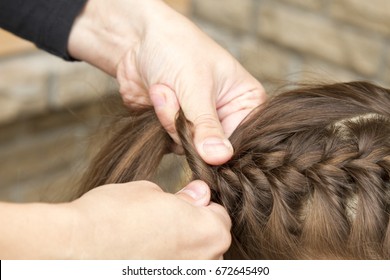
[196,193]
[209,137]
[214,149]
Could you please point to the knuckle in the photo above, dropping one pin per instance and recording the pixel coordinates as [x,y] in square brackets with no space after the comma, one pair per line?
[169,127]
[206,121]
[222,235]
[224,240]
[150,185]
[252,98]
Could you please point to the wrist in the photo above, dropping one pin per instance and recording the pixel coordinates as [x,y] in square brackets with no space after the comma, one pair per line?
[36,231]
[106,30]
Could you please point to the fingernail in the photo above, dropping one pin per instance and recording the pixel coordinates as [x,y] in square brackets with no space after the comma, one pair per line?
[217,146]
[195,191]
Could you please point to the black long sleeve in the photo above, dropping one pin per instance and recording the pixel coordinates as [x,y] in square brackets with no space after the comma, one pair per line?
[47,23]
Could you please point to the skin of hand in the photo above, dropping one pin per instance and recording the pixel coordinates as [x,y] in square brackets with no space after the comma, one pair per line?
[138,220]
[135,220]
[159,57]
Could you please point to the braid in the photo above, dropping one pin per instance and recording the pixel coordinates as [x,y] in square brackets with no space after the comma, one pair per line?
[309,178]
[371,181]
[300,184]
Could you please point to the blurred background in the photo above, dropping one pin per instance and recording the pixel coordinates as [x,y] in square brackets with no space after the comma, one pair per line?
[51,110]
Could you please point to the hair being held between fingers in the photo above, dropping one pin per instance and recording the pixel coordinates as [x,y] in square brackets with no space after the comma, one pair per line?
[309,178]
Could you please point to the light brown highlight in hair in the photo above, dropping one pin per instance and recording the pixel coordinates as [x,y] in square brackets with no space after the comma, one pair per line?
[309,178]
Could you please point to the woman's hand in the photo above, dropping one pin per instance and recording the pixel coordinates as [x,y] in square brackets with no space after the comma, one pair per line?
[159,57]
[138,220]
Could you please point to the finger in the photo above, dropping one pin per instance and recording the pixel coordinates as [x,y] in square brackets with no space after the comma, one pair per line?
[196,192]
[235,110]
[145,186]
[221,213]
[209,138]
[224,233]
[166,107]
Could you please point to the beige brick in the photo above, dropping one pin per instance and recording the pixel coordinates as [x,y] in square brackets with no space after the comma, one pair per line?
[34,83]
[317,71]
[80,84]
[373,14]
[231,13]
[46,123]
[264,60]
[44,144]
[309,34]
[34,151]
[225,38]
[9,108]
[386,72]
[24,84]
[36,63]
[308,4]
[272,66]
[23,90]
[36,155]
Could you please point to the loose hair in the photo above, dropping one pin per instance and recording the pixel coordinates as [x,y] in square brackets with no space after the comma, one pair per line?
[309,178]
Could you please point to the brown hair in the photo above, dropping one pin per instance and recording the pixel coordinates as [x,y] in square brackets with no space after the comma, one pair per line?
[309,178]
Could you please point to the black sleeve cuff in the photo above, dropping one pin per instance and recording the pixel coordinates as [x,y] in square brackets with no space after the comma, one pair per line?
[47,23]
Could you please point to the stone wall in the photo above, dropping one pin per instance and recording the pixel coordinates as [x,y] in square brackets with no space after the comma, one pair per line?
[290,41]
[50,109]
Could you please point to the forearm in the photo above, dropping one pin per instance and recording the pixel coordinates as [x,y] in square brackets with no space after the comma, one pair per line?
[106,30]
[35,231]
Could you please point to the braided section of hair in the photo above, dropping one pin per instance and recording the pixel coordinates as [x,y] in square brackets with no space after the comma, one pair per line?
[309,178]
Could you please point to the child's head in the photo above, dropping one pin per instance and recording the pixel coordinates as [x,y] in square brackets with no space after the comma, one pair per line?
[309,178]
